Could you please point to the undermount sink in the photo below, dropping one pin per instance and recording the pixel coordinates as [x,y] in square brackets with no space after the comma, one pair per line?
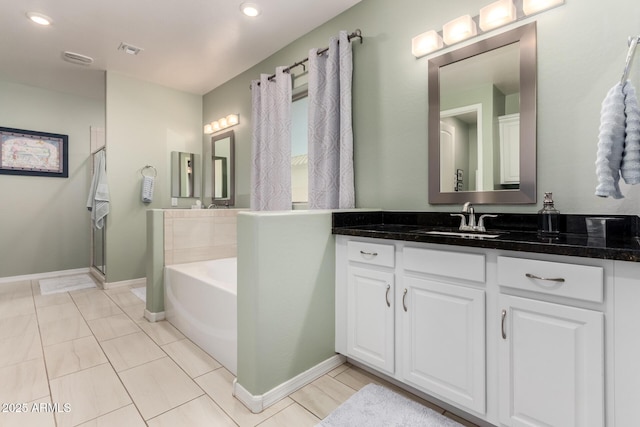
[462,234]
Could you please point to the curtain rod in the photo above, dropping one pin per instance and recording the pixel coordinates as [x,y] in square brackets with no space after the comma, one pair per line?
[633,42]
[356,34]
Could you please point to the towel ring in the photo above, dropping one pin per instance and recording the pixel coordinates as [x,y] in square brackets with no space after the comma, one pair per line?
[155,172]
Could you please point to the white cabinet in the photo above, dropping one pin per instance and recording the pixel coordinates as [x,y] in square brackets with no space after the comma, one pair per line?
[431,317]
[551,356]
[509,148]
[551,364]
[370,317]
[443,340]
[370,307]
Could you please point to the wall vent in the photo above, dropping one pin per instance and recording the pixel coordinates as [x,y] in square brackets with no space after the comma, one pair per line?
[130,49]
[76,58]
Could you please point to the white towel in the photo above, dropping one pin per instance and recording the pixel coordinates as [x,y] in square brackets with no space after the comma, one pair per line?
[147,188]
[630,167]
[98,200]
[610,143]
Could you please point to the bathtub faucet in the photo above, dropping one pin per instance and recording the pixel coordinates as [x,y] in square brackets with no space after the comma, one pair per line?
[224,204]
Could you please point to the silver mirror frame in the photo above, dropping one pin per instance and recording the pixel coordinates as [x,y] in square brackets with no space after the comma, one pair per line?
[180,176]
[227,201]
[526,36]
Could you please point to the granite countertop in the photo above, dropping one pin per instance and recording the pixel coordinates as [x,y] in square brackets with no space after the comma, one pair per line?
[517,232]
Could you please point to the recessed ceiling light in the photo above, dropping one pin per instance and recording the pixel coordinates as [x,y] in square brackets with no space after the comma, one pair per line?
[39,18]
[250,9]
[130,49]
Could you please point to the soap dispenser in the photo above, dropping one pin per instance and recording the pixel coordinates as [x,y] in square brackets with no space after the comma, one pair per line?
[548,218]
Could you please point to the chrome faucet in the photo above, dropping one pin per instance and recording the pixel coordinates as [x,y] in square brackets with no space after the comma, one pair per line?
[467,208]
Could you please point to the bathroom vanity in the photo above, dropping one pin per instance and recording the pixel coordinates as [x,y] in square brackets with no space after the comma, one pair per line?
[514,330]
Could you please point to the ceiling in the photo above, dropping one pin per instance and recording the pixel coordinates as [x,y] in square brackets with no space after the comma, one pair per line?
[189,45]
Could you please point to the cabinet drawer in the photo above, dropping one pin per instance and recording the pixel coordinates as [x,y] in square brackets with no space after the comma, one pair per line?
[581,282]
[371,253]
[445,263]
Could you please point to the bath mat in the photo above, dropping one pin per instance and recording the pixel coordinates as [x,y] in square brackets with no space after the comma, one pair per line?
[140,292]
[66,284]
[377,406]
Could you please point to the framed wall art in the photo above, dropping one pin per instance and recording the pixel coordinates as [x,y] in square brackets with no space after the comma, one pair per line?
[26,152]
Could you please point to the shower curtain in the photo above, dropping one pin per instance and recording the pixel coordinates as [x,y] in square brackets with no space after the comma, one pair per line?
[271,142]
[331,180]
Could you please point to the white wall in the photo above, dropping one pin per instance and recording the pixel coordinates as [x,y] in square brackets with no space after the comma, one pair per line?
[44,223]
[145,122]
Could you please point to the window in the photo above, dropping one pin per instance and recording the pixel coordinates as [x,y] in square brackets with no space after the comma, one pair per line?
[299,147]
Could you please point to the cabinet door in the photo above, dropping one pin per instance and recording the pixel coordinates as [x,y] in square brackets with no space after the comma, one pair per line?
[551,364]
[370,317]
[443,340]
[510,149]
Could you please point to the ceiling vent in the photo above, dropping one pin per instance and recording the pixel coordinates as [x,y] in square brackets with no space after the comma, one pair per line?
[76,58]
[130,49]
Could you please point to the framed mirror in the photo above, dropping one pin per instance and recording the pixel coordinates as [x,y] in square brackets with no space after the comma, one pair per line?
[482,121]
[223,168]
[185,174]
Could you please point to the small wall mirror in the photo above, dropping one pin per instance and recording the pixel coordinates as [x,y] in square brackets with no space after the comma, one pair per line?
[185,174]
[223,169]
[482,121]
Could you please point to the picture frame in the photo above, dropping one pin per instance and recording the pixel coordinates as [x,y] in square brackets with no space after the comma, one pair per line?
[27,152]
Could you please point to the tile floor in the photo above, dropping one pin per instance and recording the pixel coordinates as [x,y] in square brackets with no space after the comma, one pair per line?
[91,353]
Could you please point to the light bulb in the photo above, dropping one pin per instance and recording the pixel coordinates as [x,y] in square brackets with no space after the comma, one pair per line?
[459,29]
[497,14]
[232,119]
[426,43]
[39,18]
[250,9]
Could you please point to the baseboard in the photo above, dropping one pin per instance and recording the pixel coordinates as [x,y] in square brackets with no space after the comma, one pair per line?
[154,317]
[47,275]
[257,404]
[133,282]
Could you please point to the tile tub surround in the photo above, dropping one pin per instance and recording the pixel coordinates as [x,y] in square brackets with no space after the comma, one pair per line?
[176,236]
[192,235]
[147,374]
[520,232]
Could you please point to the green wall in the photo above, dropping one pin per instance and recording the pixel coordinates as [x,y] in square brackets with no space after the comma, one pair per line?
[45,225]
[286,309]
[145,122]
[390,99]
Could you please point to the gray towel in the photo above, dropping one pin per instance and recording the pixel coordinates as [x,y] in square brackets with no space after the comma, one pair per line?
[610,143]
[630,167]
[98,200]
[147,189]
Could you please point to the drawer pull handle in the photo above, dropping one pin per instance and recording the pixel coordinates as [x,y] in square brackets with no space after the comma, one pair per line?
[504,316]
[404,295]
[387,295]
[369,253]
[555,279]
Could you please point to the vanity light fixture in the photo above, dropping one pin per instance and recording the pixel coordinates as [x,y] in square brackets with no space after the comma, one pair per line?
[497,14]
[492,16]
[250,9]
[534,6]
[39,18]
[459,29]
[426,43]
[222,123]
